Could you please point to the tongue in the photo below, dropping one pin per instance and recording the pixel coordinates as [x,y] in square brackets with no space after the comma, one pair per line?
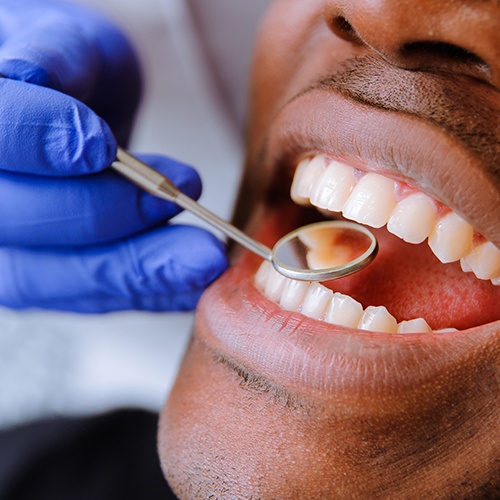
[410,282]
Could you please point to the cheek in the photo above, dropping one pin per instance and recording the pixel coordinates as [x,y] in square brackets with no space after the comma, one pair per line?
[294,49]
[280,43]
[219,439]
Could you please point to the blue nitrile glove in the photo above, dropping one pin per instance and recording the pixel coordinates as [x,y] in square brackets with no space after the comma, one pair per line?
[74,236]
[63,46]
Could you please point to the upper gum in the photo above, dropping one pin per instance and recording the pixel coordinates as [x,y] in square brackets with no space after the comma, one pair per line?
[403,189]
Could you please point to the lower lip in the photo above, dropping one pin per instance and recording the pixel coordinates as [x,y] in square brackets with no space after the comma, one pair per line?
[235,320]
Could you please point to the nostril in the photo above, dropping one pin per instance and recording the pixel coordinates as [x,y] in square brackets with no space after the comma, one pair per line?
[442,50]
[343,28]
[433,55]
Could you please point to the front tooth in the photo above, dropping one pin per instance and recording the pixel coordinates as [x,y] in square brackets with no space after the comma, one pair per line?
[483,261]
[274,285]
[333,187]
[293,294]
[446,330]
[413,218]
[316,301]
[378,319]
[296,188]
[451,239]
[372,201]
[344,311]
[305,178]
[262,274]
[418,325]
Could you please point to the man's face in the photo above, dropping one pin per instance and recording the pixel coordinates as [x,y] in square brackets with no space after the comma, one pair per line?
[386,112]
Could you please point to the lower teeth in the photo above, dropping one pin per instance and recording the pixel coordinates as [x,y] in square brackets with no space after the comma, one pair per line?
[318,302]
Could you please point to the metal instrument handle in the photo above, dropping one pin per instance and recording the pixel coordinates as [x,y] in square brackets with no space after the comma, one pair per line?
[151,180]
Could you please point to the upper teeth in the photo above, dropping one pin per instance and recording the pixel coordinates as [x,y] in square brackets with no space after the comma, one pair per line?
[375,200]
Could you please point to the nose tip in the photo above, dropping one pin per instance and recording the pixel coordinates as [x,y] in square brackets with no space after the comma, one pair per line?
[457,36]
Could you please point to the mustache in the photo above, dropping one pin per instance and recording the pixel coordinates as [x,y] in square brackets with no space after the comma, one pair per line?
[465,108]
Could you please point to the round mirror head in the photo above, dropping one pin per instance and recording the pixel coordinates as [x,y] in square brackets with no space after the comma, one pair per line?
[324,251]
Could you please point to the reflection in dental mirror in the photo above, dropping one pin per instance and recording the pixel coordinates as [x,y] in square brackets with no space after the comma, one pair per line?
[324,251]
[317,252]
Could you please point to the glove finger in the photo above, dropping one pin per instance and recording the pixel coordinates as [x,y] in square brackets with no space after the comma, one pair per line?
[164,270]
[47,211]
[52,52]
[45,132]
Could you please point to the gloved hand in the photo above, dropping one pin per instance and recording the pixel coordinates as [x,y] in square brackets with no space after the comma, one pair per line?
[73,235]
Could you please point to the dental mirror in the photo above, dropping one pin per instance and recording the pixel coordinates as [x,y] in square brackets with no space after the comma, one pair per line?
[317,252]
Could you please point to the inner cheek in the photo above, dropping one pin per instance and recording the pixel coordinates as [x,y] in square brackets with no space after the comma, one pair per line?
[279,217]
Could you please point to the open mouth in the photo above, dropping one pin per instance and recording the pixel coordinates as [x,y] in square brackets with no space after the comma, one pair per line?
[425,250]
[411,183]
[343,335]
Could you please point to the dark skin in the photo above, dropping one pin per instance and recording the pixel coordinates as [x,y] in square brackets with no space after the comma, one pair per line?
[270,404]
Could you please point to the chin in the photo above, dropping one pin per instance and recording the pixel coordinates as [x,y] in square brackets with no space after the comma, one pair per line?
[384,384]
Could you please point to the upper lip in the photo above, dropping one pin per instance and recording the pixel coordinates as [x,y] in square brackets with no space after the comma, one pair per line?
[396,144]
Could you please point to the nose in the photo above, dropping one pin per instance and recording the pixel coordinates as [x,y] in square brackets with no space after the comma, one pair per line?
[457,36]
